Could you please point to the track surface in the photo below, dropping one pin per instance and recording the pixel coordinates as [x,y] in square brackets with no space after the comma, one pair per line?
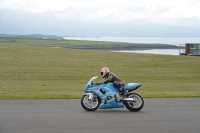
[67,116]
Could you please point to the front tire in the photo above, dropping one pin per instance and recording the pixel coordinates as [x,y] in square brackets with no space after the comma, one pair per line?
[135,105]
[90,105]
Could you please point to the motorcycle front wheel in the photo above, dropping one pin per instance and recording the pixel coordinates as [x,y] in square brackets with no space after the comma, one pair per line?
[90,105]
[135,105]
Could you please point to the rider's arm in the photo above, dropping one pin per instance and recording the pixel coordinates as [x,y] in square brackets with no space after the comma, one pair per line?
[109,79]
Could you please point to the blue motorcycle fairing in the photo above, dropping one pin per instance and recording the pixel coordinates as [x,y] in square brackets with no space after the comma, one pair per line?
[106,93]
[109,92]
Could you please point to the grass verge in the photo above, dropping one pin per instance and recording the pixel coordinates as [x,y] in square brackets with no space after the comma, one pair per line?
[33,72]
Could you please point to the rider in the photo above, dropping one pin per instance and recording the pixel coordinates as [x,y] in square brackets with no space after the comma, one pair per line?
[112,78]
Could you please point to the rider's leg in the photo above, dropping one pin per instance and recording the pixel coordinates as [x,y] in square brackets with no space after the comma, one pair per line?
[123,92]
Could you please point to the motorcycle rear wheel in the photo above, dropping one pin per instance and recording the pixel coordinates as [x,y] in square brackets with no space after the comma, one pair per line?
[135,105]
[90,105]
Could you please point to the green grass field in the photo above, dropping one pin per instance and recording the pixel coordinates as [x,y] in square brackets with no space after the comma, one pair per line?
[36,72]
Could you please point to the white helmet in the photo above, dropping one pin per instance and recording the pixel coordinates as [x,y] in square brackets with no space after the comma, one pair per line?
[104,72]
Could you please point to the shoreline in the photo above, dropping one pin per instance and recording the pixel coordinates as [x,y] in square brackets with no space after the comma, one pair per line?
[119,47]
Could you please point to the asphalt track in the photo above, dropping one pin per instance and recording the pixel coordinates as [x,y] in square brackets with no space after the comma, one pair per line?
[67,116]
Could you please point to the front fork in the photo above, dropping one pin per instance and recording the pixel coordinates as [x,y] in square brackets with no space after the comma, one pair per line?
[90,96]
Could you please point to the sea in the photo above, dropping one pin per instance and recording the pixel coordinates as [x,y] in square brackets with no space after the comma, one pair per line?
[170,41]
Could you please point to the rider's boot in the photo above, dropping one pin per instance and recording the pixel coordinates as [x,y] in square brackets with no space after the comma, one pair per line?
[125,93]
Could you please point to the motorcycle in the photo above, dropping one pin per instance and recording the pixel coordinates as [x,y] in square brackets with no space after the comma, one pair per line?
[107,96]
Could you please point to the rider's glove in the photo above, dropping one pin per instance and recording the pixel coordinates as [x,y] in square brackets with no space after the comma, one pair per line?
[98,83]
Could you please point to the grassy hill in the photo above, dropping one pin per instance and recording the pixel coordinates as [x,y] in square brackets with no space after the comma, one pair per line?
[31,72]
[33,36]
[82,44]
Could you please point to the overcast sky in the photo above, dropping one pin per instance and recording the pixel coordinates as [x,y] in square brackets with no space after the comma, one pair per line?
[101,18]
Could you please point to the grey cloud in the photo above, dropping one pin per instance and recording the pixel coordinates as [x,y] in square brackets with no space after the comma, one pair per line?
[68,23]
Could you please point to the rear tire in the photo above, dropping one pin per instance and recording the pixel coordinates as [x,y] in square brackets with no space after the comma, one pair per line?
[135,105]
[90,105]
